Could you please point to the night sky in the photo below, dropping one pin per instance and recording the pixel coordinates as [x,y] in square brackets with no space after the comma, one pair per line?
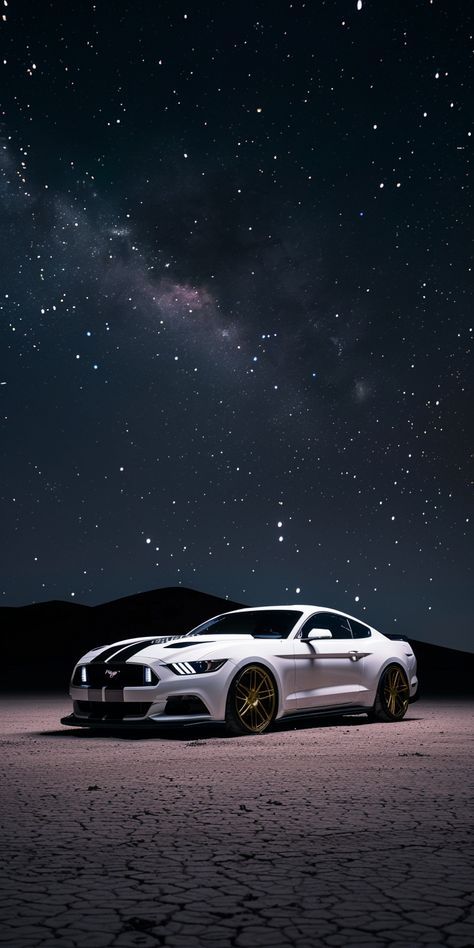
[236,304]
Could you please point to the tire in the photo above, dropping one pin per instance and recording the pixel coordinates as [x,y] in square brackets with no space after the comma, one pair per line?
[252,701]
[393,695]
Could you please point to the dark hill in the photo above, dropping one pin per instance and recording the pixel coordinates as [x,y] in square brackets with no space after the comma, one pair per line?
[444,670]
[41,642]
[169,610]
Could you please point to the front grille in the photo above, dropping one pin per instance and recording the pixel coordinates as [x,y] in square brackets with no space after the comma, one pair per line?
[114,675]
[185,704]
[112,710]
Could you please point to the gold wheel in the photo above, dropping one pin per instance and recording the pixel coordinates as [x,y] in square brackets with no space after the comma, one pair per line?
[393,695]
[396,693]
[252,701]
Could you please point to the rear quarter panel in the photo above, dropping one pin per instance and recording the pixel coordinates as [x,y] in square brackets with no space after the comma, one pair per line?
[386,652]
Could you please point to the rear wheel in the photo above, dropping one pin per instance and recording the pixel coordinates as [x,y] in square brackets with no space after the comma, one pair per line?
[252,701]
[393,695]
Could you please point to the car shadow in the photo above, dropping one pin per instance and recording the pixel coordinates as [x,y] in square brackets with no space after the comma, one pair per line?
[184,733]
[191,733]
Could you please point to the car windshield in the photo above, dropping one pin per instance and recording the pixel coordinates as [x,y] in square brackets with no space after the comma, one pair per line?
[261,624]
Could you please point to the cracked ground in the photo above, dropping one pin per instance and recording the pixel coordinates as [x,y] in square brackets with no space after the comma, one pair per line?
[333,833]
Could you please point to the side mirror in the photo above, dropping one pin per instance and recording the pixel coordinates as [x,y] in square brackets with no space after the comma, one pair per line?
[315,634]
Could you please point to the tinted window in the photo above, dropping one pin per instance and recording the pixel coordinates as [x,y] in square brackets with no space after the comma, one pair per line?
[262,624]
[337,625]
[359,630]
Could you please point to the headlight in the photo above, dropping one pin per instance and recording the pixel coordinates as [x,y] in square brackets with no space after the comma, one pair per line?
[196,668]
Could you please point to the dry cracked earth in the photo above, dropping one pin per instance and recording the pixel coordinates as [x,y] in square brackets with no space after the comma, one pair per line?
[335,833]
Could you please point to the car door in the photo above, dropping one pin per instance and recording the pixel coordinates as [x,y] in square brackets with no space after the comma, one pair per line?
[328,671]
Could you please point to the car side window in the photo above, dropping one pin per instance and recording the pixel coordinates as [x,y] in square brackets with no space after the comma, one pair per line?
[340,628]
[360,631]
[337,625]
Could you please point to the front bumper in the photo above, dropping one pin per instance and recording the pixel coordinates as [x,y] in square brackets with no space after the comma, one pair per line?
[134,723]
[134,708]
[111,696]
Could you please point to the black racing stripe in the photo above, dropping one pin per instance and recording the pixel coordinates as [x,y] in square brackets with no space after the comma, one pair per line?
[111,649]
[128,650]
[101,656]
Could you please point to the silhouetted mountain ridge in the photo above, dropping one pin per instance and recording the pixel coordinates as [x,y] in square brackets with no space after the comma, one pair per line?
[43,640]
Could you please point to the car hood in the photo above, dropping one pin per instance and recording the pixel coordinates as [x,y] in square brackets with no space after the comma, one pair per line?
[166,649]
[193,648]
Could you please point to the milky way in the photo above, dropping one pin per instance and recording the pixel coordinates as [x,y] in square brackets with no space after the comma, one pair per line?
[236,306]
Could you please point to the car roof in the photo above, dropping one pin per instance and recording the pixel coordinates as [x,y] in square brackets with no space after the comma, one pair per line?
[304,608]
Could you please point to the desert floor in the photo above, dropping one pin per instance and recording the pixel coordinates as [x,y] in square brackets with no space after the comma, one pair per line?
[332,833]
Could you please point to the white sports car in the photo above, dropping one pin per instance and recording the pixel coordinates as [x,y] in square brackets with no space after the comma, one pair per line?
[246,669]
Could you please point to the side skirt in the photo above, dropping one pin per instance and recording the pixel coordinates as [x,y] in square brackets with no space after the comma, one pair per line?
[335,711]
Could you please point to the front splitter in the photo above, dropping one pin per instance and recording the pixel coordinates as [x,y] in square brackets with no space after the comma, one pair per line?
[135,724]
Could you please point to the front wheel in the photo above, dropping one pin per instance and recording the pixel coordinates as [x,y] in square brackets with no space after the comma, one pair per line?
[251,702]
[393,695]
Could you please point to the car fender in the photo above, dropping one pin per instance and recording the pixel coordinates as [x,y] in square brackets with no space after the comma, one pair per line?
[273,669]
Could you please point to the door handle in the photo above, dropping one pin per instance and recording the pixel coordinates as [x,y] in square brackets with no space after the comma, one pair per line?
[355,656]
